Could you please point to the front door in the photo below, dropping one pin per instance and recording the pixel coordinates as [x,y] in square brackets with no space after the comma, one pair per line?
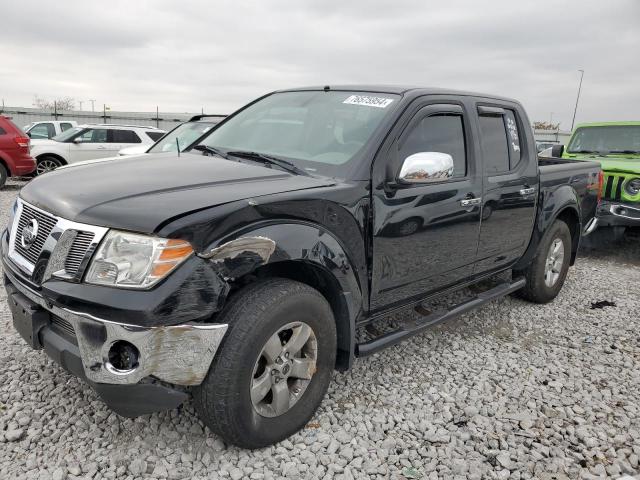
[91,144]
[510,188]
[425,236]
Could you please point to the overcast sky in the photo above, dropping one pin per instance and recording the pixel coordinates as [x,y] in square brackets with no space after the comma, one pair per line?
[217,55]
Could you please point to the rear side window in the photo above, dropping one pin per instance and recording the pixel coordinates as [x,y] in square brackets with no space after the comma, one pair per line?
[495,151]
[439,133]
[513,138]
[125,136]
[500,140]
[155,136]
[65,126]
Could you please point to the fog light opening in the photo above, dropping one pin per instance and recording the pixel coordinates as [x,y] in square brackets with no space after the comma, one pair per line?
[122,358]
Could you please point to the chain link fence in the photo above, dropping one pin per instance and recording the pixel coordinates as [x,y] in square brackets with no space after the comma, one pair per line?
[23,116]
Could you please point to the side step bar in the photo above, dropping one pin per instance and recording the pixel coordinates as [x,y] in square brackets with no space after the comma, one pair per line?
[410,329]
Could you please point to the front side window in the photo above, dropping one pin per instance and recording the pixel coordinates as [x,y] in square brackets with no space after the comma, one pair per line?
[94,135]
[318,131]
[438,133]
[605,140]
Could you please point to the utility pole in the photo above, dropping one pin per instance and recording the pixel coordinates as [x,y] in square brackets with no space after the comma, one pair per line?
[55,109]
[157,116]
[577,99]
[80,102]
[92,105]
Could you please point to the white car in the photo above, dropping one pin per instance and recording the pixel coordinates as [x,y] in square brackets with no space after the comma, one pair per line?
[182,135]
[88,142]
[48,128]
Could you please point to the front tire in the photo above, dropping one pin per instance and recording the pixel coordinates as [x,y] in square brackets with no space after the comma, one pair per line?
[547,272]
[273,367]
[47,163]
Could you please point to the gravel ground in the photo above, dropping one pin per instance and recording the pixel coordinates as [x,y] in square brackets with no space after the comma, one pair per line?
[513,390]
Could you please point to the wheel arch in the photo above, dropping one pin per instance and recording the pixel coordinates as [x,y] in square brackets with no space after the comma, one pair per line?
[54,155]
[306,253]
[567,212]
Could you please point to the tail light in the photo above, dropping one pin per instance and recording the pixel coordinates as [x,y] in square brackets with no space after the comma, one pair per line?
[23,142]
[600,184]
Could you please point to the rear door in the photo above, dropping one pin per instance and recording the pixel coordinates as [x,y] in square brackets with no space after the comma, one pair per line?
[510,184]
[425,236]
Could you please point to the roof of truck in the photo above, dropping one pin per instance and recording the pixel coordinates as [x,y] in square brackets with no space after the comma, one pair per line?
[400,90]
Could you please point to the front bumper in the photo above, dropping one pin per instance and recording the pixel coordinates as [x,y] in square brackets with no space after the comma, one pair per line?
[80,342]
[618,214]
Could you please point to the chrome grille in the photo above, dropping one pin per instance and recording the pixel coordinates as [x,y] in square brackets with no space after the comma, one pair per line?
[77,252]
[45,225]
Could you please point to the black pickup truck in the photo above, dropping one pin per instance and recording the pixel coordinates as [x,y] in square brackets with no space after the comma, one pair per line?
[239,271]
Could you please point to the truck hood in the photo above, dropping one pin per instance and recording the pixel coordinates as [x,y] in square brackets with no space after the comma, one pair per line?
[141,193]
[614,164]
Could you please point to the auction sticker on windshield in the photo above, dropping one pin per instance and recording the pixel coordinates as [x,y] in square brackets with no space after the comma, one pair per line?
[377,102]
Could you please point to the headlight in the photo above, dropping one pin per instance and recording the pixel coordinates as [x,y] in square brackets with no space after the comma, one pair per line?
[633,186]
[129,260]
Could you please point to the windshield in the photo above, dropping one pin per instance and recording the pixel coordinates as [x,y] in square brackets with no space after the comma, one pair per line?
[186,134]
[67,134]
[606,139]
[317,131]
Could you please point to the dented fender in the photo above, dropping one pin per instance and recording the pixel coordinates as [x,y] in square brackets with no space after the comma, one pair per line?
[236,257]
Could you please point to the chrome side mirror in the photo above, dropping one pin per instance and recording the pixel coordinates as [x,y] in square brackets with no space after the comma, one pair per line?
[77,140]
[425,167]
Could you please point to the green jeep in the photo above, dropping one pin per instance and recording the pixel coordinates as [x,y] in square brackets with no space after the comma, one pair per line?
[616,145]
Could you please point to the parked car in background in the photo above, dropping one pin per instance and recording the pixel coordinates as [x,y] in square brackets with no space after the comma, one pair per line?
[616,146]
[184,135]
[48,129]
[15,159]
[87,142]
[244,266]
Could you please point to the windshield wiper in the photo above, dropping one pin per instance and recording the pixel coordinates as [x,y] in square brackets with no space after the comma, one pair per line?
[214,150]
[270,160]
[628,152]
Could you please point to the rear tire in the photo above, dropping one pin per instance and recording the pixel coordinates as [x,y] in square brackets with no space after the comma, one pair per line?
[547,272]
[3,175]
[46,163]
[265,318]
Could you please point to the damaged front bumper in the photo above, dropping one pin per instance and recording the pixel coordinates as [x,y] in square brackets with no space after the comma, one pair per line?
[618,214]
[83,344]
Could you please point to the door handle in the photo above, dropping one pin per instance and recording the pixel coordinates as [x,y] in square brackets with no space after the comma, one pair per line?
[470,202]
[527,191]
[101,147]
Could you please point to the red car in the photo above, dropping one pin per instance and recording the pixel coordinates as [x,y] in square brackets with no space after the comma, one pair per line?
[15,159]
